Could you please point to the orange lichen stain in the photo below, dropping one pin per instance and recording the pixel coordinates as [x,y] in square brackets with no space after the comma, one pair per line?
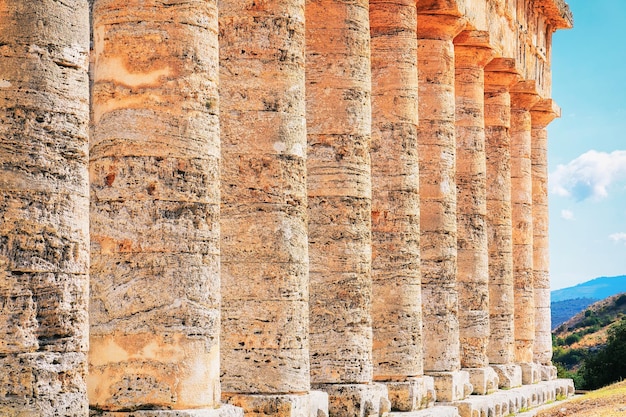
[114,70]
[110,179]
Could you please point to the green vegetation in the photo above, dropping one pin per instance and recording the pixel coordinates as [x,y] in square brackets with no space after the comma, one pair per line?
[599,359]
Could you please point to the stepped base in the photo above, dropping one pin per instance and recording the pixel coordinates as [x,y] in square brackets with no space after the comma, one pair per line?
[223,411]
[504,403]
[313,404]
[437,411]
[413,394]
[356,400]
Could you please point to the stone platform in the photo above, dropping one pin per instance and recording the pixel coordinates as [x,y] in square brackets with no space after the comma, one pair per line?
[501,403]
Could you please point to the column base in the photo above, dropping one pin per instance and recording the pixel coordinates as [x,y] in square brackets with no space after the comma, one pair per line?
[415,393]
[356,400]
[313,404]
[223,411]
[451,386]
[484,380]
[509,376]
[531,373]
[548,372]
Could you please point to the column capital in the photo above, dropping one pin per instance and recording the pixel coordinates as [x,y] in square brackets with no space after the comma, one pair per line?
[524,95]
[439,26]
[472,48]
[500,74]
[544,112]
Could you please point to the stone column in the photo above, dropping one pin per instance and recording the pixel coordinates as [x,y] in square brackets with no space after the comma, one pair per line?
[437,154]
[155,287]
[264,255]
[44,207]
[338,94]
[541,115]
[472,52]
[396,279]
[523,98]
[500,74]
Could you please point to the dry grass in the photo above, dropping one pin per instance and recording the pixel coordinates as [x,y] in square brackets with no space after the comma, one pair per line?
[606,402]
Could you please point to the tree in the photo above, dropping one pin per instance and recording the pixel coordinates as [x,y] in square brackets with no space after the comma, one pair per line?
[608,364]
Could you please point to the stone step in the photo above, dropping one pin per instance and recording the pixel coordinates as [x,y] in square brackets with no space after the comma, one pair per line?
[436,411]
[501,403]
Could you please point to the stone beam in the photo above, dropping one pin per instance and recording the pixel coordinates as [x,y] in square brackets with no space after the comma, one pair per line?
[557,12]
[44,208]
[396,281]
[338,99]
[264,245]
[541,115]
[500,74]
[437,163]
[472,52]
[523,97]
[154,171]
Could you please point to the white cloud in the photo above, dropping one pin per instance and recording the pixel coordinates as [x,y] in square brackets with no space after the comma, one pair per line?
[567,214]
[590,175]
[618,237]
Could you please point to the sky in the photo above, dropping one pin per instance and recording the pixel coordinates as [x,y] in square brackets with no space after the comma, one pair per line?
[587,145]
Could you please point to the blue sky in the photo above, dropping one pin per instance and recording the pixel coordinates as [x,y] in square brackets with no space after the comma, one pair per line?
[587,145]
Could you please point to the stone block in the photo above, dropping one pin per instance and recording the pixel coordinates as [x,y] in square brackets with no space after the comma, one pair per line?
[412,394]
[531,373]
[280,405]
[510,376]
[548,372]
[484,380]
[437,411]
[356,400]
[452,386]
[223,411]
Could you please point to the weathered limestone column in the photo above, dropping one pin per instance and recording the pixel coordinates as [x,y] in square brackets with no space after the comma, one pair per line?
[472,52]
[500,74]
[264,256]
[155,287]
[437,154]
[523,98]
[44,208]
[338,94]
[541,115]
[396,280]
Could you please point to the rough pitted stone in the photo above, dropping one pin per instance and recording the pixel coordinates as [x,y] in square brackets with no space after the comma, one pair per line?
[499,75]
[523,98]
[541,115]
[472,53]
[44,208]
[339,190]
[155,286]
[396,290]
[263,212]
[303,197]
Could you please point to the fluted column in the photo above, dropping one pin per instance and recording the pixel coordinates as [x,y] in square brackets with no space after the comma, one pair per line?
[44,207]
[264,257]
[396,279]
[523,98]
[437,155]
[338,93]
[541,115]
[472,52]
[500,74]
[155,287]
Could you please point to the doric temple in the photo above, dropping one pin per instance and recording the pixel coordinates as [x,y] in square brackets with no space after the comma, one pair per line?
[263,208]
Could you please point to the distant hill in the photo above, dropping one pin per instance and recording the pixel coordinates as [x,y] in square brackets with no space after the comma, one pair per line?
[579,340]
[598,289]
[561,311]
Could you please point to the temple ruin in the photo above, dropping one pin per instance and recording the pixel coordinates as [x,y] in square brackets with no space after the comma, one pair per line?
[297,208]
